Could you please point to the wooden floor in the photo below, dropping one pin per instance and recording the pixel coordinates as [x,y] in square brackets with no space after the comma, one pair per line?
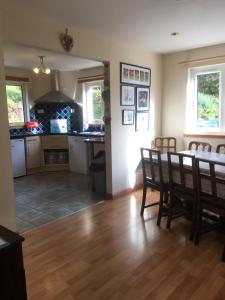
[110,252]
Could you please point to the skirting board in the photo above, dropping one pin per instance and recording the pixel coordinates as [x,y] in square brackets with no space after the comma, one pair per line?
[124,192]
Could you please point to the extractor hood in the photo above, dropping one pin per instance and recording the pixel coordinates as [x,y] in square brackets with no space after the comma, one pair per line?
[55,95]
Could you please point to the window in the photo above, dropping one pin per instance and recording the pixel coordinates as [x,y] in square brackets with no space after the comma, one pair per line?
[17,104]
[93,104]
[206,105]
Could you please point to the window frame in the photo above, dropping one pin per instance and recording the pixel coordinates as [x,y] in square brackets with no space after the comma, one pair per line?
[86,113]
[25,102]
[191,105]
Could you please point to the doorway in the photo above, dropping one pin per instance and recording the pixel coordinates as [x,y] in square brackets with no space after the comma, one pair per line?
[52,185]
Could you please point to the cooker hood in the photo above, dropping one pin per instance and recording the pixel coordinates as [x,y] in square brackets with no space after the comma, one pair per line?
[55,95]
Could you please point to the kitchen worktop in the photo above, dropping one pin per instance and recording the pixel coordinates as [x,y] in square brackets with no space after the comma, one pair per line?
[84,134]
[88,133]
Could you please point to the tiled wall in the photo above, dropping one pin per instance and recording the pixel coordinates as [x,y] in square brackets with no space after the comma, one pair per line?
[44,112]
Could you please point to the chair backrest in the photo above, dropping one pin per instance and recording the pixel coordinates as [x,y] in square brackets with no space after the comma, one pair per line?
[165,144]
[182,173]
[151,166]
[220,148]
[211,184]
[200,146]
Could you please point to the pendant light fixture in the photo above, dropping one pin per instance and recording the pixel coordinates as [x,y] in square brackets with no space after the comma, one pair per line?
[42,68]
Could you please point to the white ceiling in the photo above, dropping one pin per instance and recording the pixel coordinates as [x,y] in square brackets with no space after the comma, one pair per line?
[27,58]
[144,22]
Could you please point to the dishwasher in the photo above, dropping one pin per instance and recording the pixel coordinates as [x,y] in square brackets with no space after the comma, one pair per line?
[18,157]
[78,155]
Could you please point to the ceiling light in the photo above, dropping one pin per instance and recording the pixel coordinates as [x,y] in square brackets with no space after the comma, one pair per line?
[47,71]
[36,70]
[42,67]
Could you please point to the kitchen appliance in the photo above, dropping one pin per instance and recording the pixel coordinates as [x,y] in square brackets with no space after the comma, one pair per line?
[18,157]
[78,155]
[55,95]
[31,124]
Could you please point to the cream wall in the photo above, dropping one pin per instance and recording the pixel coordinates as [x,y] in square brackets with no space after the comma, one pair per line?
[174,91]
[38,85]
[68,83]
[86,73]
[122,141]
[7,205]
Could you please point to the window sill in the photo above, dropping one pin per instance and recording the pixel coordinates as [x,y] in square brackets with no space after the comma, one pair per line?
[19,126]
[206,135]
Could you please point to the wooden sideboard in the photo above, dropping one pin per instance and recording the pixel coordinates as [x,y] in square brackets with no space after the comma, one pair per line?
[12,274]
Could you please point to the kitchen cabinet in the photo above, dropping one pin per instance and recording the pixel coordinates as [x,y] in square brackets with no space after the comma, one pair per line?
[34,152]
[18,157]
[55,142]
[55,152]
[78,155]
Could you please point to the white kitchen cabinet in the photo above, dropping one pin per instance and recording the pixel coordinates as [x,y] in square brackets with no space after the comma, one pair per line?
[18,157]
[54,142]
[34,152]
[78,155]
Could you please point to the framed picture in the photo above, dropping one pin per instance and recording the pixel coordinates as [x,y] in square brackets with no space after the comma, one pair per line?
[142,121]
[131,74]
[127,117]
[143,99]
[127,95]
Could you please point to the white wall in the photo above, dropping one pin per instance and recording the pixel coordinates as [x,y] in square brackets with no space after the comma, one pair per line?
[7,204]
[175,87]
[125,142]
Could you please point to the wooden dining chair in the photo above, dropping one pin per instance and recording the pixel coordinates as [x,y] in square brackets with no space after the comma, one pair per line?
[220,148]
[199,146]
[211,181]
[165,144]
[153,178]
[182,186]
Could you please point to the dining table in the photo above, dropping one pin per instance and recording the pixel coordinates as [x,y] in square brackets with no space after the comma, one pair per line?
[209,156]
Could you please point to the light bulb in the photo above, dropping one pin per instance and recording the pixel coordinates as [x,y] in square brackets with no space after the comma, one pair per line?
[36,70]
[47,71]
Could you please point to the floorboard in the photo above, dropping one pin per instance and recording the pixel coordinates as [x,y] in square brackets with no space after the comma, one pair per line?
[109,252]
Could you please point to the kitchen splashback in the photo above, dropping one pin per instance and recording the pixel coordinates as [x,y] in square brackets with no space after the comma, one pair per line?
[44,112]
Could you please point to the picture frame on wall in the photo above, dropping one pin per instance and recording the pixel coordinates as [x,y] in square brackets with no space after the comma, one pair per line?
[127,95]
[132,74]
[128,117]
[142,99]
[142,121]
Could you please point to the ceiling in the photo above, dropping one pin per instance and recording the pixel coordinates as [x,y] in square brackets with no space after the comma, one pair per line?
[147,23]
[27,58]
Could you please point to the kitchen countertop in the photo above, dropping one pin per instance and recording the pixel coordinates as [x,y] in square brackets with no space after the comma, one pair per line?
[95,140]
[84,134]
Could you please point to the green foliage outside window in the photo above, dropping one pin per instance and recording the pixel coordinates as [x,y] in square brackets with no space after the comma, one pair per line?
[15,103]
[97,103]
[208,99]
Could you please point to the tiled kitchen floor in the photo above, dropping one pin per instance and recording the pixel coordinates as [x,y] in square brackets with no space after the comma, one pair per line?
[45,197]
